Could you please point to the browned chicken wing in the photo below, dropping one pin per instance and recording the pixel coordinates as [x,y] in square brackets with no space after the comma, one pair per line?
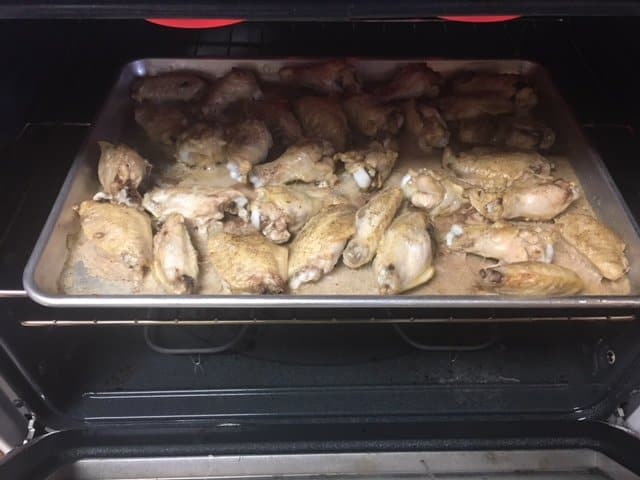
[336,76]
[426,124]
[323,118]
[412,81]
[236,85]
[168,87]
[368,116]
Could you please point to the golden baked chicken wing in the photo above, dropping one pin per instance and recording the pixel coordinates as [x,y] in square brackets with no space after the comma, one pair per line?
[404,258]
[248,144]
[316,249]
[508,85]
[531,279]
[372,220]
[162,123]
[308,161]
[493,169]
[175,260]
[202,146]
[502,241]
[248,263]
[370,166]
[597,242]
[437,193]
[463,107]
[120,238]
[528,200]
[121,170]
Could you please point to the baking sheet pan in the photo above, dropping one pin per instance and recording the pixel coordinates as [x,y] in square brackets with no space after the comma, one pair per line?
[41,276]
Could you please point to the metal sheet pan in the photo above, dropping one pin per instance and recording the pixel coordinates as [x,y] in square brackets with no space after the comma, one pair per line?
[47,261]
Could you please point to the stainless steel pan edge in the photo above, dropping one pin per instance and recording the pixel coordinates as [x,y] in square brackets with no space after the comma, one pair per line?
[141,67]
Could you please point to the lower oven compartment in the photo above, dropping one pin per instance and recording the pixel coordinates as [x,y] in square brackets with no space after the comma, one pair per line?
[91,374]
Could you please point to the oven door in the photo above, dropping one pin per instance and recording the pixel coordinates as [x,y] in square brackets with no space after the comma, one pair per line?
[469,450]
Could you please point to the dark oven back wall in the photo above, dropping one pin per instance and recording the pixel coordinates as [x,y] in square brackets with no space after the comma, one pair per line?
[58,73]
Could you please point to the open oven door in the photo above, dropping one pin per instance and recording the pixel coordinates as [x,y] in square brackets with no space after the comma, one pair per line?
[469,450]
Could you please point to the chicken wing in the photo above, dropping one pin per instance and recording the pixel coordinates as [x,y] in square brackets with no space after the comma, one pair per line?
[201,146]
[236,85]
[507,85]
[412,81]
[504,242]
[121,170]
[175,260]
[518,132]
[528,200]
[335,76]
[371,166]
[168,87]
[463,107]
[368,116]
[436,193]
[531,279]
[200,206]
[279,119]
[405,255]
[426,124]
[323,118]
[162,123]
[120,238]
[248,263]
[280,210]
[307,161]
[597,242]
[372,220]
[249,144]
[316,249]
[494,169]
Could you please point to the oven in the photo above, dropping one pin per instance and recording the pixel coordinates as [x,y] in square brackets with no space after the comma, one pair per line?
[183,391]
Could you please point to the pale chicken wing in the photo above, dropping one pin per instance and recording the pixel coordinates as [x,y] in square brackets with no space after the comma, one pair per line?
[522,133]
[491,169]
[405,255]
[307,161]
[368,116]
[200,206]
[463,107]
[120,240]
[202,146]
[412,81]
[323,118]
[175,260]
[162,123]
[438,194]
[280,210]
[248,263]
[372,220]
[371,166]
[426,124]
[121,170]
[249,144]
[531,279]
[236,85]
[528,200]
[168,87]
[316,249]
[336,76]
[501,241]
[508,85]
[597,242]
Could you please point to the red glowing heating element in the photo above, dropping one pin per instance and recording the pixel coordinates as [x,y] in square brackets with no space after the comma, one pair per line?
[195,22]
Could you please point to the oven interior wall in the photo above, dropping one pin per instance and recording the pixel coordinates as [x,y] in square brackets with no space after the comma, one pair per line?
[57,73]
